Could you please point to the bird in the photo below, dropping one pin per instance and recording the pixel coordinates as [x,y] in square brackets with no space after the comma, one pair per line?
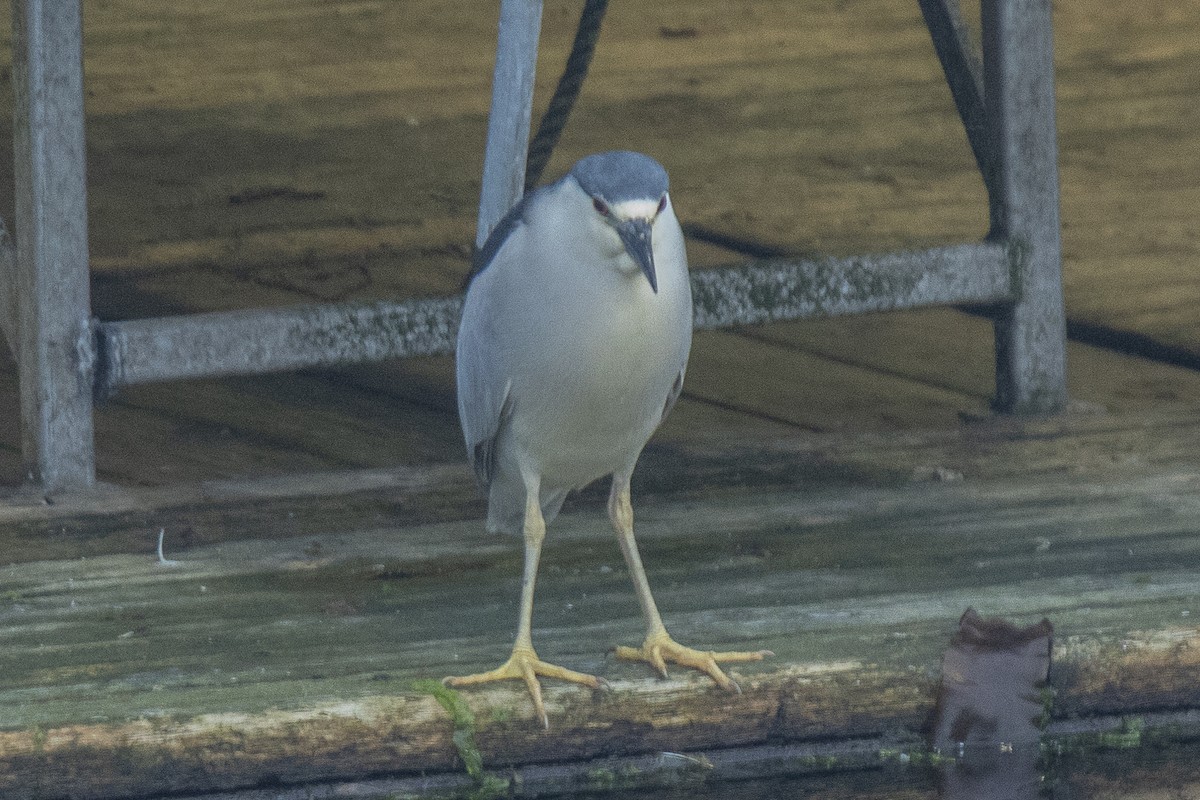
[572,349]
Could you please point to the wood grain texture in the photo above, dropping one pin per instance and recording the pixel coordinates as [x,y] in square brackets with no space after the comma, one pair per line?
[292,659]
[835,490]
[335,156]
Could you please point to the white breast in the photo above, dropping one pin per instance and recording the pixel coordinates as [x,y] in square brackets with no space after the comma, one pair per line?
[594,353]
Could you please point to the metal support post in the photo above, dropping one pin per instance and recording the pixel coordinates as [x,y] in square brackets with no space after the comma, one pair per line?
[8,295]
[1018,73]
[512,107]
[54,347]
[962,68]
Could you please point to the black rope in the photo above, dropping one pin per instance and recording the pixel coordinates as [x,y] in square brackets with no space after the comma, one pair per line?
[567,92]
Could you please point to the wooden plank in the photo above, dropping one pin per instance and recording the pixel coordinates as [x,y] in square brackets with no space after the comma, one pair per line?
[266,426]
[951,350]
[867,139]
[690,456]
[203,117]
[911,371]
[1135,775]
[1122,139]
[774,382]
[858,72]
[294,649]
[235,198]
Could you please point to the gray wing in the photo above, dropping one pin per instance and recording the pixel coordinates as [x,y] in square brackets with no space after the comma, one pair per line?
[483,390]
[673,395]
[484,256]
[483,393]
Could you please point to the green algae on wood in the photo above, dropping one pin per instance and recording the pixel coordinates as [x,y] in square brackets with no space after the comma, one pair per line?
[464,724]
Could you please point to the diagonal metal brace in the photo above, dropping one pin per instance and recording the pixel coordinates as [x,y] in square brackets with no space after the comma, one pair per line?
[964,74]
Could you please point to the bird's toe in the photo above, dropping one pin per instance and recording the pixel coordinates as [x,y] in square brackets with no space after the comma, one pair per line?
[658,649]
[524,665]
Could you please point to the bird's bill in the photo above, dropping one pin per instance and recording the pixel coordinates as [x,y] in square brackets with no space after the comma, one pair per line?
[635,234]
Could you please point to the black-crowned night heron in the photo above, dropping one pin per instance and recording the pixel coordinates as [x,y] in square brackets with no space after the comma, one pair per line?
[573,346]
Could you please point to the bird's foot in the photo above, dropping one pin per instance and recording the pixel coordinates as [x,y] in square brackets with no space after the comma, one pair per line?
[660,648]
[524,665]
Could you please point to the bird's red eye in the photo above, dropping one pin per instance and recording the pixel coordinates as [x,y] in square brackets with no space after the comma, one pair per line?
[662,203]
[600,206]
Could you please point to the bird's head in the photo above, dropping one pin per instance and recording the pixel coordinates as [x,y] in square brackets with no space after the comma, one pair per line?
[627,192]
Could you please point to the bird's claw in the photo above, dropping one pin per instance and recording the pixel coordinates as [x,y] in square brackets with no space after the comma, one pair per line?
[524,665]
[660,648]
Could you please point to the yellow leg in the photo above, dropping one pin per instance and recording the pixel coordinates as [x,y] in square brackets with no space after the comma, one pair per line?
[524,664]
[659,647]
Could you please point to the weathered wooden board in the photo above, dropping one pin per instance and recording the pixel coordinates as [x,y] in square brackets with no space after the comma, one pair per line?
[293,659]
[334,155]
[689,458]
[249,154]
[920,371]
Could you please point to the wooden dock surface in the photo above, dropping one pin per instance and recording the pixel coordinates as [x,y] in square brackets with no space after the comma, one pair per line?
[834,490]
[302,650]
[303,152]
